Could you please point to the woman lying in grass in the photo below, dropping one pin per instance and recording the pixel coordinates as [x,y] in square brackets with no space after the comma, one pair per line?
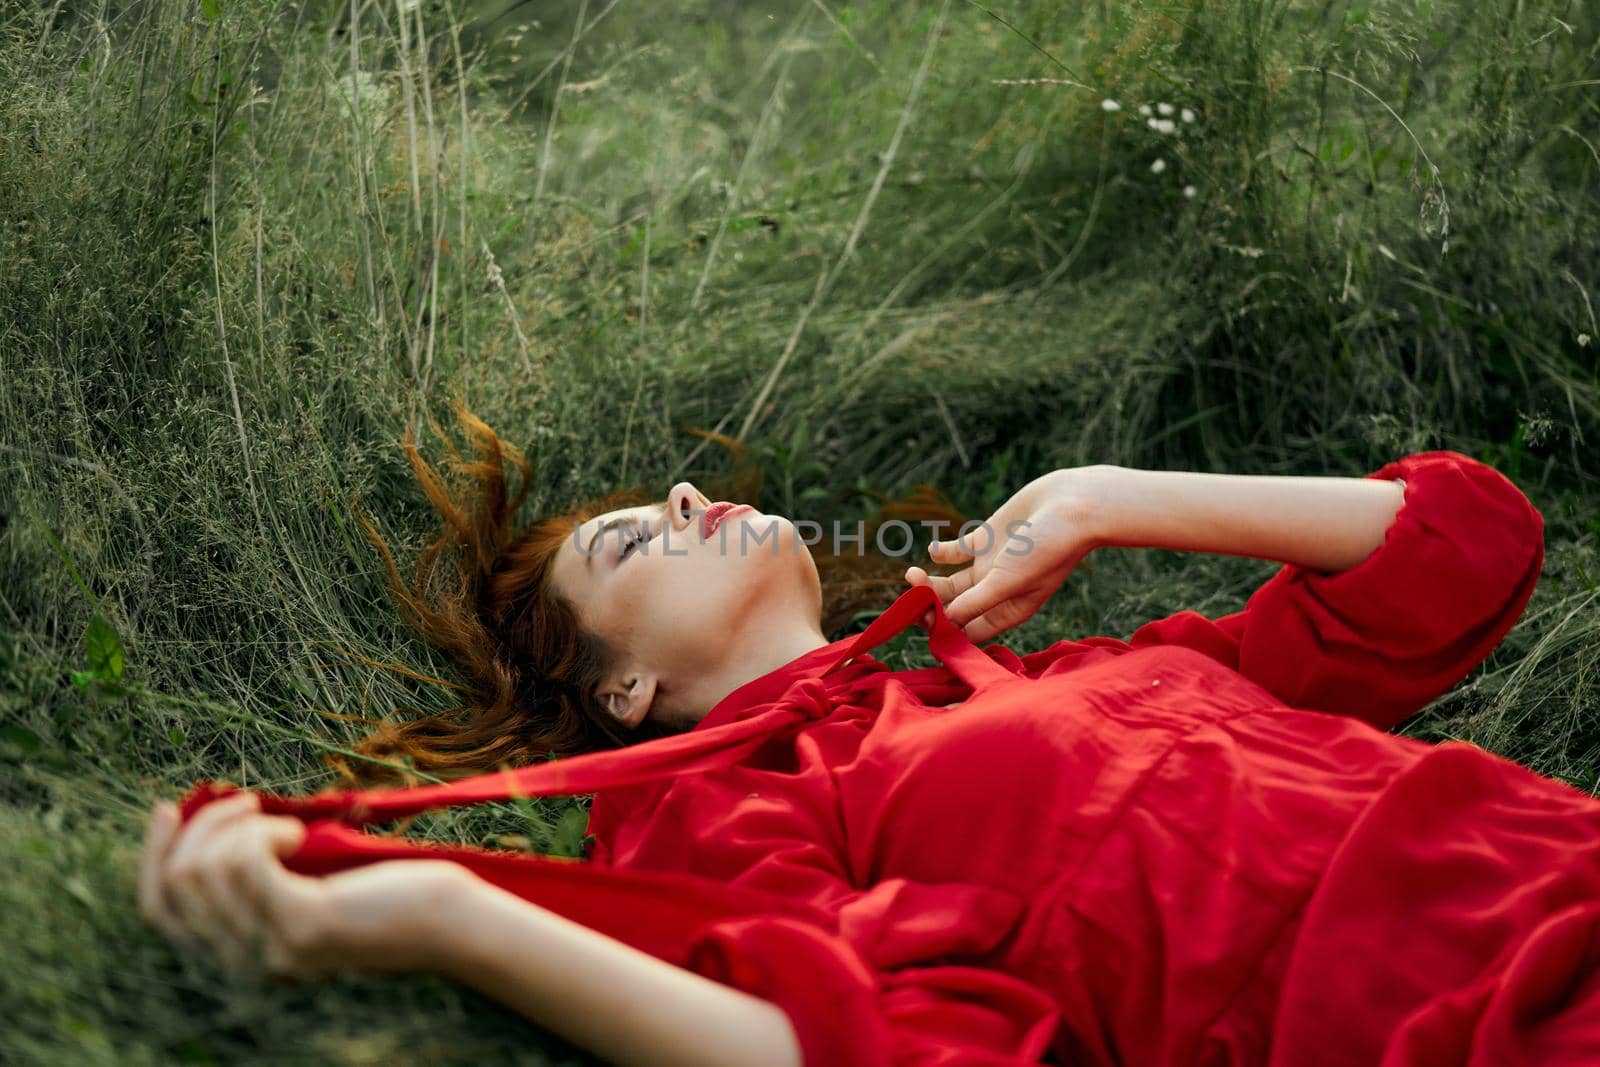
[1196,846]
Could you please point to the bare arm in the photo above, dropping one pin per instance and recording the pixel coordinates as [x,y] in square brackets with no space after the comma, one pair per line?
[600,993]
[1322,523]
[218,882]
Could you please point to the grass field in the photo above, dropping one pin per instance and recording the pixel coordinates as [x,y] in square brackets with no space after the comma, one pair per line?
[245,247]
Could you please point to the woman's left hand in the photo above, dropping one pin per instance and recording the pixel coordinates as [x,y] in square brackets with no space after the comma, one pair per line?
[218,882]
[1022,554]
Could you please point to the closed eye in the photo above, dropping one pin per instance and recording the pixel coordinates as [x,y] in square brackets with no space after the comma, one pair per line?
[632,538]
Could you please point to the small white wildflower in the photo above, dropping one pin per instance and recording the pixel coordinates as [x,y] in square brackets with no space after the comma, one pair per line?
[367,95]
[1187,114]
[1583,340]
[1163,125]
[1158,166]
[1189,192]
[1144,109]
[1165,109]
[1154,124]
[1109,104]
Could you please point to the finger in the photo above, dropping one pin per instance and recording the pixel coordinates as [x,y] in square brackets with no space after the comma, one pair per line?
[1003,616]
[226,879]
[201,927]
[154,908]
[286,907]
[195,912]
[984,538]
[284,834]
[253,867]
[945,586]
[199,831]
[265,880]
[159,830]
[187,873]
[956,550]
[917,576]
[996,586]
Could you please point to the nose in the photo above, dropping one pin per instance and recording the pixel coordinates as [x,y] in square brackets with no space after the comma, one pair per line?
[686,505]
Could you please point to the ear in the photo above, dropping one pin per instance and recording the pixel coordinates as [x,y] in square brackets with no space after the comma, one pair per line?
[628,697]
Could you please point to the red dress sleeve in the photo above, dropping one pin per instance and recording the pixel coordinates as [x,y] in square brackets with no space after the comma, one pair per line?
[1384,638]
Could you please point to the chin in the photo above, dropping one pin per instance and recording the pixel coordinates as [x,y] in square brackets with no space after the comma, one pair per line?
[761,537]
[773,575]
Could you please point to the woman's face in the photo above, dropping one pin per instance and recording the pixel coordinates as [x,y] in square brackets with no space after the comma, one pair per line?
[689,618]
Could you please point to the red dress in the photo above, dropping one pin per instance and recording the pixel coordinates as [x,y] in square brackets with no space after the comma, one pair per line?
[1194,847]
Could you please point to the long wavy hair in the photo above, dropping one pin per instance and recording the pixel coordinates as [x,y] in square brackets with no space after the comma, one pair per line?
[480,593]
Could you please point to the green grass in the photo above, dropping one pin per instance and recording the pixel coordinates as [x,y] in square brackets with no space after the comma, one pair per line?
[887,243]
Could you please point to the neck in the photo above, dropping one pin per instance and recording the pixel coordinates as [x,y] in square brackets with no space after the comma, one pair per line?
[759,649]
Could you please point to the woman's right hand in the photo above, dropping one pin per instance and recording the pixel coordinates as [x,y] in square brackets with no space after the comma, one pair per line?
[218,882]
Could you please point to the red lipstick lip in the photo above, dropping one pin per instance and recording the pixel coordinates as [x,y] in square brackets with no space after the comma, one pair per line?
[715,514]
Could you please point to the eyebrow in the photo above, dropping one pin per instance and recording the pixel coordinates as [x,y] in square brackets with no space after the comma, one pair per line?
[611,524]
